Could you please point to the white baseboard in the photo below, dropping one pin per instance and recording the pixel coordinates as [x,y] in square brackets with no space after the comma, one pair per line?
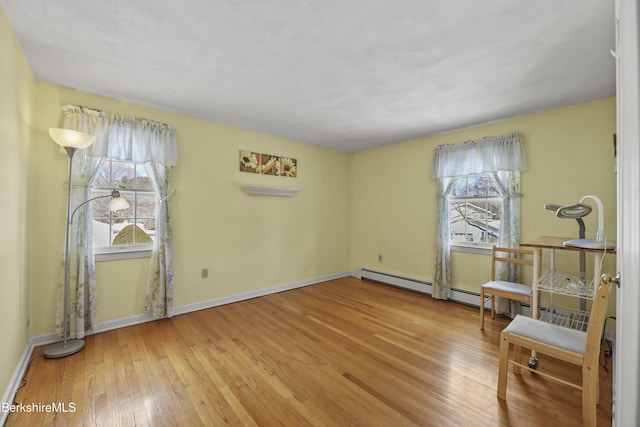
[38,340]
[15,380]
[254,294]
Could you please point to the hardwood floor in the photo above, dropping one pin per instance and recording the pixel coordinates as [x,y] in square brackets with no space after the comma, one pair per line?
[344,352]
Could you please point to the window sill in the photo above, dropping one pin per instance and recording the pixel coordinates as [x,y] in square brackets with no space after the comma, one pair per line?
[472,249]
[124,253]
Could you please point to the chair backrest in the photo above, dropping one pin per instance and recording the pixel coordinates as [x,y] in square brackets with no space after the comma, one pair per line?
[596,320]
[517,256]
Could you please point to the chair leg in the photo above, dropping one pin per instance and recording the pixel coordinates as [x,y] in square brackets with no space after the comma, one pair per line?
[589,395]
[503,367]
[493,306]
[517,356]
[481,308]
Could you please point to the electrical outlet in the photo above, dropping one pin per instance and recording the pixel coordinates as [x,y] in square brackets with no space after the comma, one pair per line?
[204,273]
[380,258]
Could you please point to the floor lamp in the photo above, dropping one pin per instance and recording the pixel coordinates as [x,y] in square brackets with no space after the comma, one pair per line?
[72,141]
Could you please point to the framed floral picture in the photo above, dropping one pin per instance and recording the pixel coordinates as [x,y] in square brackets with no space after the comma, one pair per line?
[268,164]
[288,167]
[249,161]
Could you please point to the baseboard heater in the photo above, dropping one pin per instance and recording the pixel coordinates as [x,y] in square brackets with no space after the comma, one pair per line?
[457,295]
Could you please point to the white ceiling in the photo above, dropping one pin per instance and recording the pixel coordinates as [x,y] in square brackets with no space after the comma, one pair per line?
[344,74]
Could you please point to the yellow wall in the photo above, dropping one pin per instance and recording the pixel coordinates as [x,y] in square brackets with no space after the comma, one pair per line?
[247,242]
[16,83]
[393,211]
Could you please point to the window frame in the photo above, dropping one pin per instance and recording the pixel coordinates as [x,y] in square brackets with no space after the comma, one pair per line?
[111,252]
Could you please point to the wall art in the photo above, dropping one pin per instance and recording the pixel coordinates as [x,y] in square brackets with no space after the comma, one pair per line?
[268,164]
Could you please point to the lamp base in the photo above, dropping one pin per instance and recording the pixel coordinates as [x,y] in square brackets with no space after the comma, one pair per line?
[60,350]
[590,244]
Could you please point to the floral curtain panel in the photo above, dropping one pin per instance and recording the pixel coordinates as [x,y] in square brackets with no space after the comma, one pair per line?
[442,270]
[503,157]
[509,182]
[127,139]
[82,288]
[159,299]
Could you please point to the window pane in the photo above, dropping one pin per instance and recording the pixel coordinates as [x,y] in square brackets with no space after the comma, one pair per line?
[458,213]
[135,225]
[476,210]
[118,233]
[124,237]
[143,182]
[494,210]
[460,189]
[103,177]
[144,235]
[477,186]
[101,229]
[148,225]
[130,196]
[146,205]
[100,207]
[475,213]
[492,188]
[123,175]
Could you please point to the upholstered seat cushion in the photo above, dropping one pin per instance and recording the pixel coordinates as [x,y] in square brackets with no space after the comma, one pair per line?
[514,288]
[565,338]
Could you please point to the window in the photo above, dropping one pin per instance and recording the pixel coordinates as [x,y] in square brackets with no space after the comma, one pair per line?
[130,230]
[475,212]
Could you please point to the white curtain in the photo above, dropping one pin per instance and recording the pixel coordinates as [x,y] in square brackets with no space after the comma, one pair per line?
[124,138]
[127,139]
[489,154]
[503,157]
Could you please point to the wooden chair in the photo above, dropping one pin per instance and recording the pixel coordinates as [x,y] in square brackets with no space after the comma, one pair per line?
[505,289]
[572,346]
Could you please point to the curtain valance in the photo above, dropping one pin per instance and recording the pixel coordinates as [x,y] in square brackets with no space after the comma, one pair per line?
[489,154]
[124,138]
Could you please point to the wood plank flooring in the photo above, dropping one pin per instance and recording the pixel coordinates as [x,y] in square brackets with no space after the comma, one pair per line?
[343,352]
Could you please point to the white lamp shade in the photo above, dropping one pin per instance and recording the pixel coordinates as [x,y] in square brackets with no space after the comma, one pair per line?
[71,138]
[118,204]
